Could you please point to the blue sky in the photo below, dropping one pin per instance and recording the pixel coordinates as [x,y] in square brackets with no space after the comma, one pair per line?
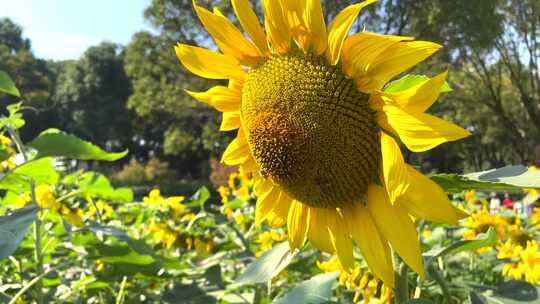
[64,29]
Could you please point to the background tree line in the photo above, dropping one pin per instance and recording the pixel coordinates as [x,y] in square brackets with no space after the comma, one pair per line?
[133,96]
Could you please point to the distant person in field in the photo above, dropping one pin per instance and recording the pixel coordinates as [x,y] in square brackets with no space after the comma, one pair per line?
[507,201]
[494,203]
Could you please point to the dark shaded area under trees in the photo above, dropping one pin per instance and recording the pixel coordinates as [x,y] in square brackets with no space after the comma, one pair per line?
[133,96]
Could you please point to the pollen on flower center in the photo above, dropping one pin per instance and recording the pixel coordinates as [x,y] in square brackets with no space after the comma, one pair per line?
[310,129]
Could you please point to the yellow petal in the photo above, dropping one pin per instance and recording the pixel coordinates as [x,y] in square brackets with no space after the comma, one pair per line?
[230,121]
[420,97]
[277,26]
[237,152]
[293,11]
[265,203]
[208,64]
[360,51]
[419,131]
[227,37]
[249,21]
[340,29]
[318,230]
[261,185]
[373,246]
[396,177]
[396,226]
[427,200]
[222,98]
[340,238]
[298,224]
[307,24]
[250,165]
[314,20]
[277,217]
[396,60]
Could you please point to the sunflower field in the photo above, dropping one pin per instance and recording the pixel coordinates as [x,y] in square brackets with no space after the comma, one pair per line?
[322,202]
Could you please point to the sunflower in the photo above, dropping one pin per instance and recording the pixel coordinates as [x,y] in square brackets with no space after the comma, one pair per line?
[318,131]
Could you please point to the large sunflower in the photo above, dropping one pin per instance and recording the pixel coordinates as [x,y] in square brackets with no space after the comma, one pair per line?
[318,131]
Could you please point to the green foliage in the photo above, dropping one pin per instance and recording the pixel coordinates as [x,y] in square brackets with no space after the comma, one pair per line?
[13,228]
[409,81]
[315,290]
[506,178]
[60,144]
[7,85]
[270,264]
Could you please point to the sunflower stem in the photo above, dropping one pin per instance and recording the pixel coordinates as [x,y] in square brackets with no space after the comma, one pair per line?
[436,275]
[401,282]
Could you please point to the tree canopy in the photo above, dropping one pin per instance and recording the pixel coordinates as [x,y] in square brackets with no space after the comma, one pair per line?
[133,96]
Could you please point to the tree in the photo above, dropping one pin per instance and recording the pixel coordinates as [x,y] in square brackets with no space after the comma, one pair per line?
[91,94]
[172,124]
[34,77]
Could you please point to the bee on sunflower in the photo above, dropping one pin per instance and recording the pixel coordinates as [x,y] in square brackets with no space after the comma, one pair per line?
[318,131]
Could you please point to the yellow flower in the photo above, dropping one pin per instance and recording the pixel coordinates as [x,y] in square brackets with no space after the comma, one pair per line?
[188,217]
[74,217]
[481,220]
[267,239]
[224,193]
[100,265]
[22,200]
[527,265]
[509,250]
[535,217]
[46,199]
[175,205]
[203,246]
[242,193]
[154,198]
[161,233]
[330,265]
[360,279]
[318,131]
[4,140]
[105,210]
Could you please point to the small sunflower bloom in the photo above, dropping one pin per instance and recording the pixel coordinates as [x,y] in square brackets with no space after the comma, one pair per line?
[45,198]
[154,198]
[319,132]
[22,200]
[175,205]
[105,210]
[224,193]
[72,216]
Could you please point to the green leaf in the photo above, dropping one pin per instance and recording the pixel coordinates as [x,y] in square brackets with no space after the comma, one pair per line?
[270,264]
[7,85]
[482,240]
[517,292]
[15,120]
[409,81]
[509,292]
[313,291]
[506,178]
[213,275]
[131,257]
[200,197]
[4,154]
[60,144]
[420,301]
[97,185]
[13,228]
[138,245]
[187,294]
[40,171]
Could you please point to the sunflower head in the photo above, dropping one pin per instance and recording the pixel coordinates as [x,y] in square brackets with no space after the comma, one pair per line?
[301,116]
[319,131]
